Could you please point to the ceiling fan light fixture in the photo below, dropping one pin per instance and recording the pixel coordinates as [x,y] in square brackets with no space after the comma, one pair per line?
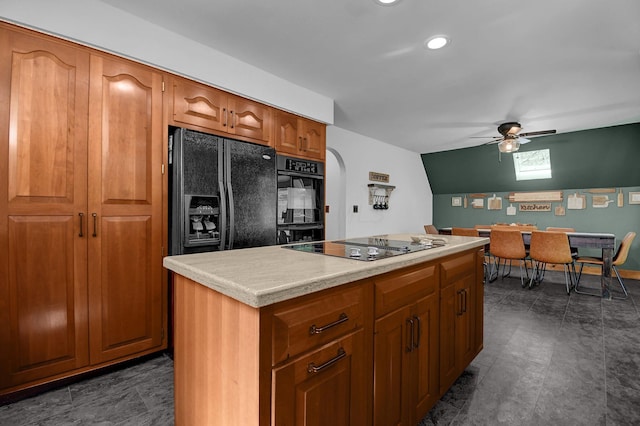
[509,145]
[436,42]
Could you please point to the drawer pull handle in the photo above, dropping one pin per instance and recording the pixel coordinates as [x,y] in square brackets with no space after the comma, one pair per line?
[317,330]
[312,368]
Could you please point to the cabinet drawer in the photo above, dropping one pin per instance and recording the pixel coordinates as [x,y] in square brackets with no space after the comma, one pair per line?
[398,289]
[455,269]
[199,105]
[315,321]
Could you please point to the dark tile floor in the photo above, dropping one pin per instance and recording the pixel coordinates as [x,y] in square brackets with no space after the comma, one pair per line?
[548,359]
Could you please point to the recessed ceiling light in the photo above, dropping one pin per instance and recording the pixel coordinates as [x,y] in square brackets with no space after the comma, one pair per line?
[436,42]
[386,2]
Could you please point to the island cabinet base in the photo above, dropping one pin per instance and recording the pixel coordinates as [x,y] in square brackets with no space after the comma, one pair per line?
[380,351]
[305,361]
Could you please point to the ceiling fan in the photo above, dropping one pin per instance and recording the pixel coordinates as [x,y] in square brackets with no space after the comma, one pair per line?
[511,138]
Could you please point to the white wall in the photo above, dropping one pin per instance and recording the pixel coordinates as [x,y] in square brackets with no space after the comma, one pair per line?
[410,203]
[99,25]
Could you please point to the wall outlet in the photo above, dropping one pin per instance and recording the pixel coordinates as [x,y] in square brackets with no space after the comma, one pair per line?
[355,209]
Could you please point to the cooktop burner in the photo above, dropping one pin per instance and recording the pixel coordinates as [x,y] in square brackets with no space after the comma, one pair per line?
[365,249]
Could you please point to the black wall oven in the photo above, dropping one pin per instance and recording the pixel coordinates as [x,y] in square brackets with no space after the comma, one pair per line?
[300,215]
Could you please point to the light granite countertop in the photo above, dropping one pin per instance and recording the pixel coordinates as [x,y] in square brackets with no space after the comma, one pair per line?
[262,276]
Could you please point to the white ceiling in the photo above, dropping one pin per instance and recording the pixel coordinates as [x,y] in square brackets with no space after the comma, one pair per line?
[567,65]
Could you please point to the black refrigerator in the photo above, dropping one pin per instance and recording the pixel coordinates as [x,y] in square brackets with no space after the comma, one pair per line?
[223,193]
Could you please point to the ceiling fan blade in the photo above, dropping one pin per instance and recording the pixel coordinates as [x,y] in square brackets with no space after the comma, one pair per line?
[523,140]
[538,133]
[495,140]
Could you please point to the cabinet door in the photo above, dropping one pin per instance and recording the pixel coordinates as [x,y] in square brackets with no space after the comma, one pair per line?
[43,110]
[324,387]
[456,315]
[313,139]
[426,370]
[477,304]
[249,119]
[199,105]
[392,369]
[287,134]
[464,323]
[448,312]
[125,208]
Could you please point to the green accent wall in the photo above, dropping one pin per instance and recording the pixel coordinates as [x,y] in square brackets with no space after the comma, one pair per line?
[598,158]
[580,161]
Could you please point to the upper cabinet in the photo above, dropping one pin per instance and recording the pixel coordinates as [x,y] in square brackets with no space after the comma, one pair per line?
[211,109]
[299,137]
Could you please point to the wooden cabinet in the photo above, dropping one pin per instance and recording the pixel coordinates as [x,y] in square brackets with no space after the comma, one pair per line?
[323,379]
[299,137]
[43,268]
[306,361]
[459,327]
[211,109]
[124,223]
[367,352]
[406,345]
[323,387]
[80,210]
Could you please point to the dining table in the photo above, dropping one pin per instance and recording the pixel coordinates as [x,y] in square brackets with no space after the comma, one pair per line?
[606,242]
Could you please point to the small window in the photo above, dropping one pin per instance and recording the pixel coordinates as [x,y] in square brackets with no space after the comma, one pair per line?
[532,165]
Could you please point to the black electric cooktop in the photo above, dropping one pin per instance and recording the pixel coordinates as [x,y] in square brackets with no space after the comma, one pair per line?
[365,249]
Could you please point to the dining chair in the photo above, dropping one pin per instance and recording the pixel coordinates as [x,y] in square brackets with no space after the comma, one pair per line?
[618,259]
[507,245]
[547,247]
[574,250]
[430,229]
[465,232]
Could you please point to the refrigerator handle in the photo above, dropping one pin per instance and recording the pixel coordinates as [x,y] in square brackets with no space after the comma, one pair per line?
[231,216]
[223,215]
[227,179]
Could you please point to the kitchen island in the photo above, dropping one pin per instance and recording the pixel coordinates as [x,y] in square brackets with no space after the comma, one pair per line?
[274,336]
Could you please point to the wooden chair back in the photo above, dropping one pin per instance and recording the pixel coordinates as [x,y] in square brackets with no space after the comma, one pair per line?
[465,232]
[430,229]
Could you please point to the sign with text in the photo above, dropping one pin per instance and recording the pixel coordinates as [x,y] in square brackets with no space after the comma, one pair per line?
[378,177]
[535,207]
